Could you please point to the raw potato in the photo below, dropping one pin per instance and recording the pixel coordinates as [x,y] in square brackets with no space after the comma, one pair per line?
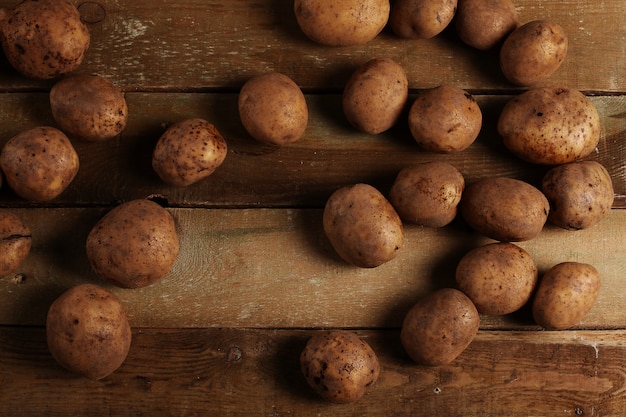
[427,194]
[375,95]
[88,107]
[440,327]
[15,242]
[421,19]
[580,194]
[44,39]
[39,163]
[504,209]
[188,151]
[499,278]
[445,119]
[341,23]
[339,365]
[550,126]
[533,52]
[484,24]
[362,226]
[87,331]
[566,293]
[134,245]
[273,109]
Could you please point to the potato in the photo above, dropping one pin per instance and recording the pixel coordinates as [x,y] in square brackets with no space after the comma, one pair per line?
[15,242]
[504,209]
[188,151]
[533,52]
[88,107]
[427,194]
[134,245]
[88,332]
[362,226]
[44,39]
[39,163]
[375,95]
[339,365]
[273,109]
[341,23]
[550,125]
[566,293]
[421,19]
[445,119]
[499,278]
[484,24]
[439,327]
[580,194]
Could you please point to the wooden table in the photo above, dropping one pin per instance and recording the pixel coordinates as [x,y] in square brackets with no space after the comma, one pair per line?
[222,333]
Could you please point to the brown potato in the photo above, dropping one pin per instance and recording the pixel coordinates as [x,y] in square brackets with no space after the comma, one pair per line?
[44,39]
[341,23]
[580,194]
[273,109]
[566,293]
[484,24]
[134,245]
[421,19]
[499,278]
[375,95]
[533,52]
[15,242]
[339,365]
[88,107]
[39,163]
[188,151]
[439,327]
[87,331]
[427,194]
[504,209]
[550,125]
[362,226]
[445,119]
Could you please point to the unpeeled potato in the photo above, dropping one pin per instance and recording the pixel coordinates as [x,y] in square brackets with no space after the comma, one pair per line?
[15,242]
[484,24]
[421,19]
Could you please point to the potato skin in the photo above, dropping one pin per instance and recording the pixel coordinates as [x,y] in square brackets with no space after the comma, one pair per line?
[565,295]
[134,245]
[484,24]
[581,194]
[421,19]
[499,278]
[439,327]
[504,209]
[550,125]
[339,365]
[362,226]
[15,242]
[88,332]
[375,95]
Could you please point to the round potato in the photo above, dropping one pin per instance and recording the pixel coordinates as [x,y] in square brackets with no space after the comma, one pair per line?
[39,163]
[427,194]
[339,365]
[566,293]
[504,209]
[44,39]
[375,95]
[445,119]
[188,151]
[134,245]
[440,327]
[580,194]
[87,331]
[421,19]
[550,126]
[484,24]
[499,278]
[341,23]
[88,107]
[15,242]
[533,52]
[362,226]
[273,109]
